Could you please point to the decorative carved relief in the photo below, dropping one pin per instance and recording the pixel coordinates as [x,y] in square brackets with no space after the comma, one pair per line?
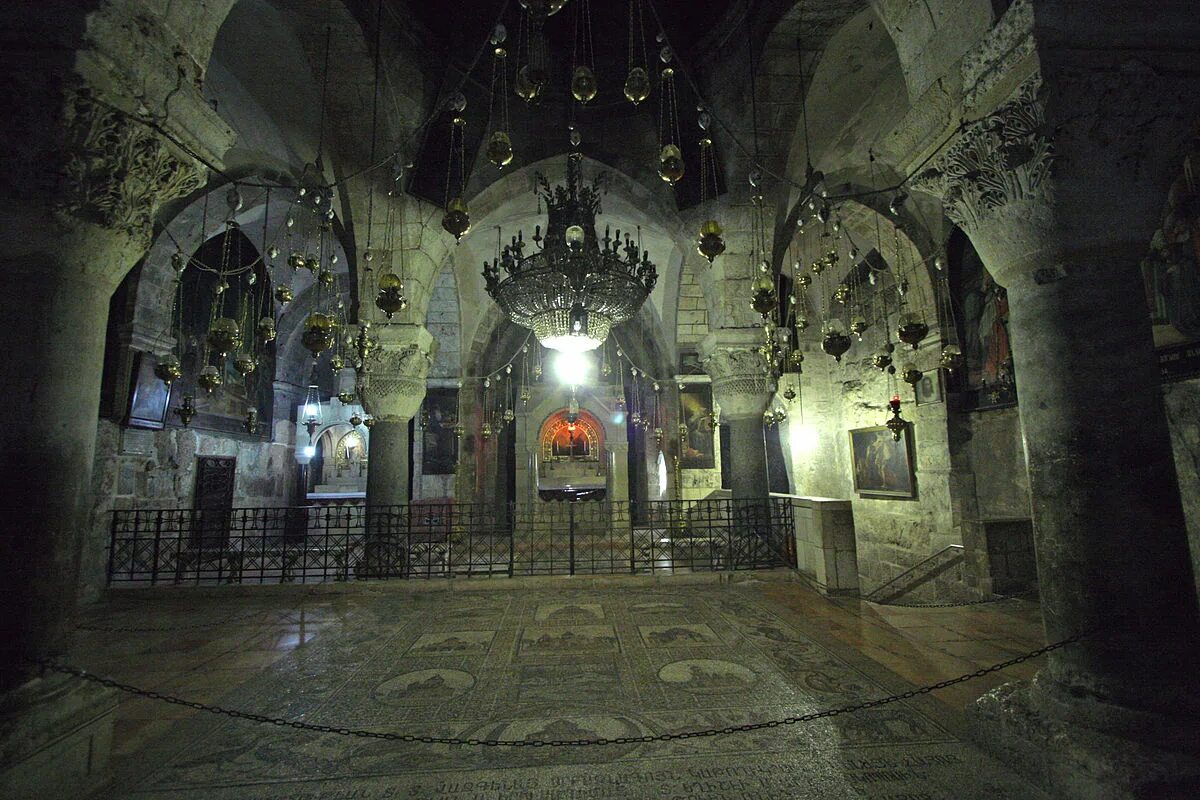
[1002,158]
[116,172]
[741,384]
[724,363]
[394,386]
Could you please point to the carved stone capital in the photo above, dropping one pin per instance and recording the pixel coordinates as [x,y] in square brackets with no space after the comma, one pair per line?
[392,386]
[1003,159]
[116,172]
[741,382]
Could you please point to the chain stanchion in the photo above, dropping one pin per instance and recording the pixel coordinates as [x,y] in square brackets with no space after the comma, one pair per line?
[262,719]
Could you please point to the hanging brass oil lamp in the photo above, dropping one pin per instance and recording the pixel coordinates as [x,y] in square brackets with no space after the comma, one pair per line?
[764,300]
[583,84]
[911,375]
[318,333]
[266,330]
[912,329]
[209,378]
[637,85]
[390,297]
[245,363]
[711,244]
[500,149]
[457,221]
[224,336]
[168,368]
[835,342]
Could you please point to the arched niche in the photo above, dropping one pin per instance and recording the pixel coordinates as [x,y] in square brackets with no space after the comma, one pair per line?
[562,439]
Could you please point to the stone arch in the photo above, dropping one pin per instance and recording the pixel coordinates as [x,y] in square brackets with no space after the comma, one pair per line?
[550,435]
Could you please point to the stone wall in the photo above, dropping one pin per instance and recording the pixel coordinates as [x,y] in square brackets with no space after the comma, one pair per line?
[893,534]
[148,469]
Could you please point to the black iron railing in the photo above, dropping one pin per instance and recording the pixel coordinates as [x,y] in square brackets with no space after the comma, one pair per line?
[337,543]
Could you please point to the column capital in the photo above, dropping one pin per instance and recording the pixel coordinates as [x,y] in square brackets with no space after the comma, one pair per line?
[392,382]
[1001,160]
[1073,166]
[742,384]
[99,167]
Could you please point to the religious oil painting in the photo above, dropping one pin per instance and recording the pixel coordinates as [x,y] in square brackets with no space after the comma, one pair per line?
[697,447]
[929,388]
[883,467]
[149,397]
[439,455]
[986,374]
[1171,274]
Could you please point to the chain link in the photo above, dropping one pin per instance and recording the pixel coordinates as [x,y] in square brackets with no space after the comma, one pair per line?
[262,719]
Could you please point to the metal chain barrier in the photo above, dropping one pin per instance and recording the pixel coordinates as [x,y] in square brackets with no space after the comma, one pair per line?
[262,719]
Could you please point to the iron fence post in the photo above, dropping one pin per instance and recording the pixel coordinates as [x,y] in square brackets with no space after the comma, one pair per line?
[154,550]
[571,539]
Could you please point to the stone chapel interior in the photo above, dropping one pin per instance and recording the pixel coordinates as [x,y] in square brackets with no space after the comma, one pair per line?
[882,315]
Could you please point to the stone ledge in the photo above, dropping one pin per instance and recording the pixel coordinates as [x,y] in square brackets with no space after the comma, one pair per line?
[498,582]
[1073,761]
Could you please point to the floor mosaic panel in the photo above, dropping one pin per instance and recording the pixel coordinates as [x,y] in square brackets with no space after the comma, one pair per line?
[570,664]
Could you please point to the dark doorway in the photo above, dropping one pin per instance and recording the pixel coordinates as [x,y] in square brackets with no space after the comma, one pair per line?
[213,500]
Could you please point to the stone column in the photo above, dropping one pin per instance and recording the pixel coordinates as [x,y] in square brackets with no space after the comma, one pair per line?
[77,219]
[387,462]
[1109,529]
[392,388]
[743,388]
[618,471]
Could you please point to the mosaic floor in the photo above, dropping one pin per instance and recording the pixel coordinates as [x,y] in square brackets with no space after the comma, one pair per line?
[551,663]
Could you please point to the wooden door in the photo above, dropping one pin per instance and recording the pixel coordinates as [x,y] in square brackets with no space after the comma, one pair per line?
[213,501]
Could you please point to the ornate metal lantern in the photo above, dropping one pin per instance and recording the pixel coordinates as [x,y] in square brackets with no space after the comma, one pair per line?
[576,287]
[186,410]
[896,424]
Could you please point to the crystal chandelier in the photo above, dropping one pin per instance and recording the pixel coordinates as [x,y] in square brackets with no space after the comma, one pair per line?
[576,287]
